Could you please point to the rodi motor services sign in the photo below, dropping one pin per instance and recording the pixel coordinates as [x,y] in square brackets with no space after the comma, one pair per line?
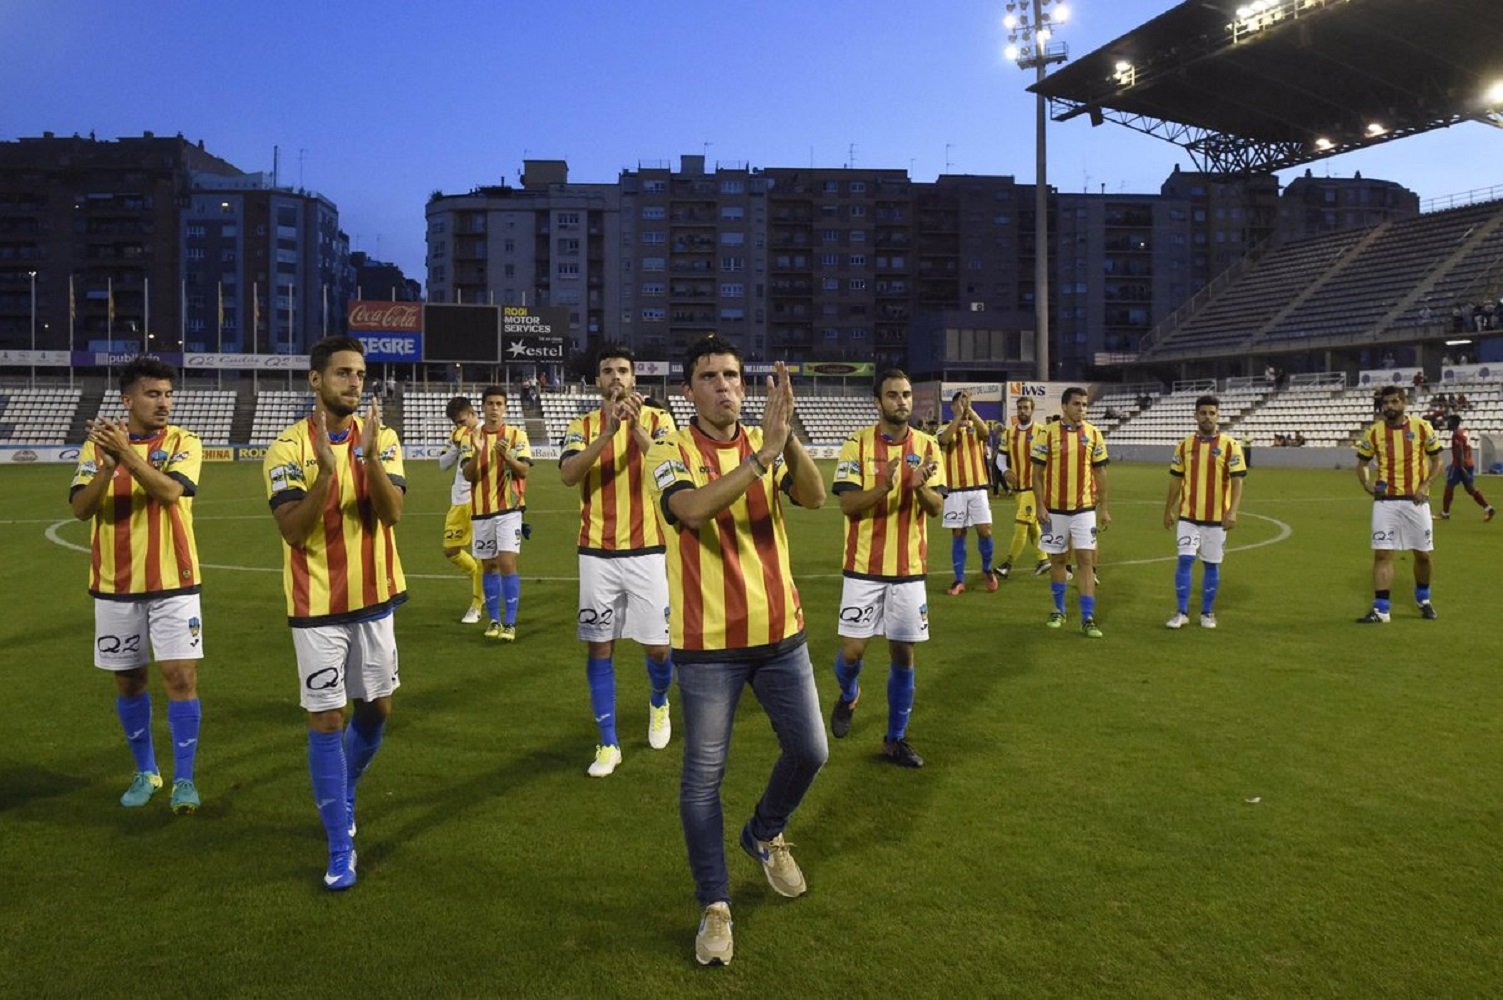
[534,334]
[390,331]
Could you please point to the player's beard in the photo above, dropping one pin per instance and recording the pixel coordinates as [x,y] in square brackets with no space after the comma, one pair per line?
[335,404]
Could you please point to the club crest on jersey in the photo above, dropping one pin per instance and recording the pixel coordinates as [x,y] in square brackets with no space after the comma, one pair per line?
[157,457]
[913,460]
[660,433]
[389,454]
[574,438]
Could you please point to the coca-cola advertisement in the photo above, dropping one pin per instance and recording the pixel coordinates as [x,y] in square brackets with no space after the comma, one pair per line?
[385,317]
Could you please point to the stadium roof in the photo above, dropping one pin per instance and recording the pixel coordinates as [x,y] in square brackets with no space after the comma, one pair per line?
[1260,85]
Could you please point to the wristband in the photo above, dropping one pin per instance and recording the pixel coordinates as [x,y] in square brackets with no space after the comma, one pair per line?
[761,469]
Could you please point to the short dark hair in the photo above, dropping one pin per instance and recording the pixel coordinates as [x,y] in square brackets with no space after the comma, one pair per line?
[1391,390]
[1072,392]
[324,350]
[458,405]
[1208,400]
[703,348]
[612,350]
[1021,400]
[141,367]
[493,390]
[1453,421]
[958,394]
[884,377]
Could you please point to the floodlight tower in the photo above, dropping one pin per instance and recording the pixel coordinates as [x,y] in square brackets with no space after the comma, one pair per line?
[1030,28]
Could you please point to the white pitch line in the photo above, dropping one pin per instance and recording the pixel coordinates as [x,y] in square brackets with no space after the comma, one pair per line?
[1284,532]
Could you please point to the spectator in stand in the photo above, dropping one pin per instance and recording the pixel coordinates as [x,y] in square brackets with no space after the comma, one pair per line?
[1458,324]
[1462,403]
[1299,439]
[1388,360]
[1419,380]
[1278,440]
[1490,315]
[1463,359]
[1445,360]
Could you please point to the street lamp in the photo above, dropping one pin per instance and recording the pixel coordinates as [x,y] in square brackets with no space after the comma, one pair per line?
[1030,26]
[33,276]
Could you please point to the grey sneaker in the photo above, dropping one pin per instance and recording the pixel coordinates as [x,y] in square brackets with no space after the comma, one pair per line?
[713,944]
[783,873]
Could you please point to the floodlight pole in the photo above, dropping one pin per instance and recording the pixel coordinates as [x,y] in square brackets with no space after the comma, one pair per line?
[1035,31]
[33,276]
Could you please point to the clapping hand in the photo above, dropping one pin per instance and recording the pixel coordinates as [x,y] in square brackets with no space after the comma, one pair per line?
[370,435]
[112,437]
[777,417]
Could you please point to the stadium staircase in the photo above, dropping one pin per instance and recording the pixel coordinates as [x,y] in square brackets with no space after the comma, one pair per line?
[392,411]
[245,413]
[1481,243]
[88,408]
[537,426]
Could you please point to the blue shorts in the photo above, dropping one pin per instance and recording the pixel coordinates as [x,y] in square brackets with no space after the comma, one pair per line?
[1460,476]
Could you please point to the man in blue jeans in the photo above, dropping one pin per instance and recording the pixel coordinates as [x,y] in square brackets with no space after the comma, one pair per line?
[735,618]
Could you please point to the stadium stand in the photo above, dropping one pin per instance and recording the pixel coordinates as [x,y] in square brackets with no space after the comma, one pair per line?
[38,416]
[1343,287]
[1122,402]
[1325,416]
[206,412]
[829,420]
[1172,415]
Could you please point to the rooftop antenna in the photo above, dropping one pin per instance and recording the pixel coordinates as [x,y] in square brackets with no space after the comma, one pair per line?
[851,156]
[300,152]
[948,146]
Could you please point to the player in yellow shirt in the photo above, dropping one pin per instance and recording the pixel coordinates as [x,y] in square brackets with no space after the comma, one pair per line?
[1406,451]
[335,484]
[735,618]
[457,533]
[496,463]
[1205,493]
[1069,488]
[135,481]
[1017,446]
[967,503]
[890,482]
[623,582]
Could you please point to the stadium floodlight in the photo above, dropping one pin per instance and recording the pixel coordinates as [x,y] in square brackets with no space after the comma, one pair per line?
[1376,129]
[1457,343]
[1125,73]
[1494,94]
[1323,144]
[1028,45]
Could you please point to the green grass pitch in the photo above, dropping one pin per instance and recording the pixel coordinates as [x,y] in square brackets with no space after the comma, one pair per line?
[1290,806]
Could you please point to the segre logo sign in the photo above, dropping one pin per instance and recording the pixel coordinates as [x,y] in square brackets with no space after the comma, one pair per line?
[391,346]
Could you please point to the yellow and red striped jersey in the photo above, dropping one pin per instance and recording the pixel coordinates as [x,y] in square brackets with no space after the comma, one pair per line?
[1064,457]
[616,515]
[140,547]
[888,541]
[730,587]
[347,569]
[1205,467]
[965,459]
[497,491]
[1018,444]
[1404,455]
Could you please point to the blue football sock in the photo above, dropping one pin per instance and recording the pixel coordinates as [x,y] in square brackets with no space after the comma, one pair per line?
[899,700]
[986,547]
[601,673]
[327,768]
[1183,571]
[848,676]
[1087,606]
[957,556]
[1210,580]
[183,718]
[360,745]
[511,588]
[491,583]
[659,677]
[1421,593]
[1058,590]
[1381,601]
[135,719]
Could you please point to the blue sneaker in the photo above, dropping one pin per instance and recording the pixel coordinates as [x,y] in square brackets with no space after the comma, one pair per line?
[184,796]
[341,873]
[142,787]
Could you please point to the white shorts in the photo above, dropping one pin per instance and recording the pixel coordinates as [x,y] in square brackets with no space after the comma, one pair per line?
[625,596]
[1076,530]
[898,609]
[173,624]
[1402,524]
[494,535]
[1205,540]
[967,508]
[336,663]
